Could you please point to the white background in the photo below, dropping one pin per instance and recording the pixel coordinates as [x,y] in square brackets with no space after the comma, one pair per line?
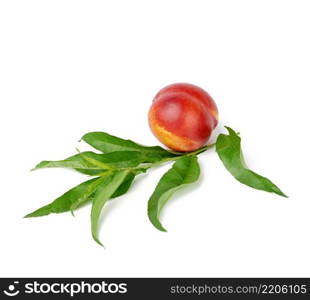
[70,67]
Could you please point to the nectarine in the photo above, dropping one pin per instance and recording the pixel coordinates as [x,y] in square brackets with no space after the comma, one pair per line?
[182,116]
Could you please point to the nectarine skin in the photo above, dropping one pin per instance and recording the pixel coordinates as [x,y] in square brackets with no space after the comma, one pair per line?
[182,117]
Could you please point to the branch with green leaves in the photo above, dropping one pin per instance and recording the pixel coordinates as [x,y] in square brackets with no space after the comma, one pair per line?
[120,161]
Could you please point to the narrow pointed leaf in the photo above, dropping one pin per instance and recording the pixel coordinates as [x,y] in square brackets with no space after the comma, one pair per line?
[184,171]
[229,150]
[89,192]
[125,186]
[106,143]
[91,163]
[77,162]
[76,197]
[116,160]
[71,162]
[103,194]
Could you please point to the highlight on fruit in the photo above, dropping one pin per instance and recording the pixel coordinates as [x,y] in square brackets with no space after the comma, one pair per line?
[182,116]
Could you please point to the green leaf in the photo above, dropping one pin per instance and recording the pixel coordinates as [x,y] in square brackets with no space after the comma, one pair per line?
[103,194]
[77,162]
[229,150]
[106,143]
[124,187]
[91,163]
[75,197]
[184,171]
[121,159]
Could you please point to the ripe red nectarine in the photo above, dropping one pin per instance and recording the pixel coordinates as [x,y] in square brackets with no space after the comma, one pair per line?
[182,116]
